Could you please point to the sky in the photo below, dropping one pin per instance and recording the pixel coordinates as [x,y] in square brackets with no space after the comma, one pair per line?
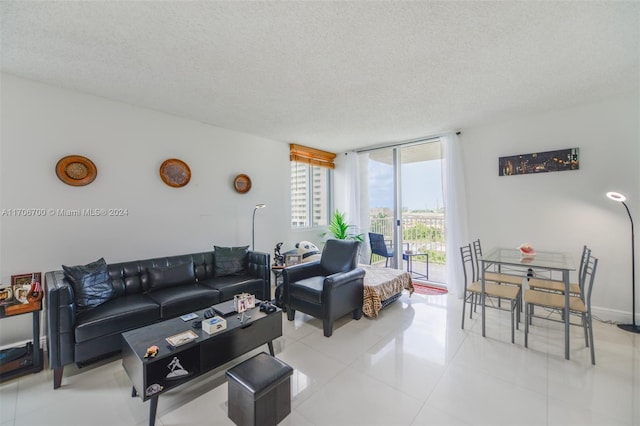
[421,185]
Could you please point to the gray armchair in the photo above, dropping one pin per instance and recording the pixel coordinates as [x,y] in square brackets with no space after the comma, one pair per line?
[328,288]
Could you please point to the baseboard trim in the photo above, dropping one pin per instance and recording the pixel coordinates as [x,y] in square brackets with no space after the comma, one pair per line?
[613,315]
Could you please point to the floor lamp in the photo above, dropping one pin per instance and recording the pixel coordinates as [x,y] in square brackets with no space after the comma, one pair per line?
[253,227]
[634,328]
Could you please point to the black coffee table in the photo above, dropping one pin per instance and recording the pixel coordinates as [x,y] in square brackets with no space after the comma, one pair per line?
[207,352]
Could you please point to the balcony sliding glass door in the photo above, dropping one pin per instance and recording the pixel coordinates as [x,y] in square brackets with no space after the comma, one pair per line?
[406,204]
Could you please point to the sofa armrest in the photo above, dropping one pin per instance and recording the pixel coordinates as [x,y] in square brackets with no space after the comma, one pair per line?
[61,314]
[260,267]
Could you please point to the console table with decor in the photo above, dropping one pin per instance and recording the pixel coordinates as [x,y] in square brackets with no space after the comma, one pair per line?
[31,360]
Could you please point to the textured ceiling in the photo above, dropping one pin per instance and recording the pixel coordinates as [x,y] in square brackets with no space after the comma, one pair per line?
[333,75]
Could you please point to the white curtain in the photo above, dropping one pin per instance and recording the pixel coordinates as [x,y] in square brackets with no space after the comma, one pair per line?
[352,191]
[455,201]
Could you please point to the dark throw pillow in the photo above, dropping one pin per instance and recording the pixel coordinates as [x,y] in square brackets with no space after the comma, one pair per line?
[91,284]
[231,260]
[170,276]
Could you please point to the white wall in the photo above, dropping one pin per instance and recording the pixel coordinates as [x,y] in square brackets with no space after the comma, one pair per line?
[563,210]
[41,124]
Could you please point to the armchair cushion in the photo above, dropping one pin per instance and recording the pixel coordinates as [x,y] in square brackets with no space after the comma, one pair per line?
[309,289]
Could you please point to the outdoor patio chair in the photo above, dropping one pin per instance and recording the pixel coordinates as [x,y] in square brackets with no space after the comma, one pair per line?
[379,247]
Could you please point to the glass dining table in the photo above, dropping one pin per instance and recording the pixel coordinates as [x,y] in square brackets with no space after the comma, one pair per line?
[545,260]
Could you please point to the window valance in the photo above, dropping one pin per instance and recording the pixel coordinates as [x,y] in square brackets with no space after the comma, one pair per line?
[312,156]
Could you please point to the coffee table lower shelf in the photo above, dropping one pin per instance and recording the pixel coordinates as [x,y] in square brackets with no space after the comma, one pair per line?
[206,353]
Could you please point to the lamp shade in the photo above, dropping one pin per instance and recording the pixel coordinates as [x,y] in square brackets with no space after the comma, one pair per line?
[616,196]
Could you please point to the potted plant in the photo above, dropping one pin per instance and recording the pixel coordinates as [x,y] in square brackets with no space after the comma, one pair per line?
[339,229]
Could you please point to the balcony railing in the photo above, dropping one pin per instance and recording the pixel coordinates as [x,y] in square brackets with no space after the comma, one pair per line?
[421,233]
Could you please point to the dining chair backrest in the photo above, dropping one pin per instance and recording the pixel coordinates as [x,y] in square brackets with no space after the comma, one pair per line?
[589,275]
[477,250]
[378,245]
[467,260]
[586,253]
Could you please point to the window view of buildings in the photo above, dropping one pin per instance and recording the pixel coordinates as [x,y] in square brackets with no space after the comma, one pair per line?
[309,195]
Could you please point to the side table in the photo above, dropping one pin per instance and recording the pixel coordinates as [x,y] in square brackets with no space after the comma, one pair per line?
[409,258]
[31,361]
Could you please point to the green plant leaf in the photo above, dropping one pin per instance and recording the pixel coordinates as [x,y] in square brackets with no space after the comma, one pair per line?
[340,229]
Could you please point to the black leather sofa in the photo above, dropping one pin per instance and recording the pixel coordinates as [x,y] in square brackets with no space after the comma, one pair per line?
[80,336]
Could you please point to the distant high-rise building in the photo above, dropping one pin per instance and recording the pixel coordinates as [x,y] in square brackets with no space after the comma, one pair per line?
[309,195]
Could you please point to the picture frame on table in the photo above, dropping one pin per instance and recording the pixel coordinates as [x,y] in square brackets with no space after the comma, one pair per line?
[292,259]
[21,285]
[243,302]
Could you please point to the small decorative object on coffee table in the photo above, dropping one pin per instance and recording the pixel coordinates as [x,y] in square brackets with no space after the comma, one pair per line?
[152,351]
[214,325]
[242,302]
[177,370]
[246,300]
[182,338]
[153,389]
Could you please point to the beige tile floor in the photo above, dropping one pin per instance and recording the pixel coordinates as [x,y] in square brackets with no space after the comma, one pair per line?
[411,366]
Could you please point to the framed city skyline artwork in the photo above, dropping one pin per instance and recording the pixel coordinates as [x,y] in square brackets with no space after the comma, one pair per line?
[539,162]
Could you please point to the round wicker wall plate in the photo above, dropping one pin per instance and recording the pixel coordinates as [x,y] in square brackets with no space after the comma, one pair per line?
[175,172]
[76,170]
[242,183]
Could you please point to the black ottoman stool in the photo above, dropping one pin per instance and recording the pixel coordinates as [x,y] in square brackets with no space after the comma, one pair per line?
[259,391]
